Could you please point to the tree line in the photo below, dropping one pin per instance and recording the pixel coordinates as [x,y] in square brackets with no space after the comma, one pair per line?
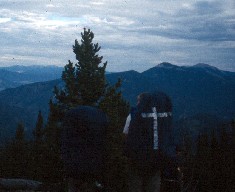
[211,166]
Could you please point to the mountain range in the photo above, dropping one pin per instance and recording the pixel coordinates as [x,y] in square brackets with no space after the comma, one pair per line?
[202,96]
[14,76]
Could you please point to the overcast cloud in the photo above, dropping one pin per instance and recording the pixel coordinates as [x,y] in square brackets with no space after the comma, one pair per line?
[133,34]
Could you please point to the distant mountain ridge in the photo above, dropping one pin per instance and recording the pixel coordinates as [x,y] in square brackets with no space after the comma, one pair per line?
[14,76]
[198,89]
[17,75]
[184,83]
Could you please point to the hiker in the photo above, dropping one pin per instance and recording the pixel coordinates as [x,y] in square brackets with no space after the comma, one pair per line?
[148,141]
[83,148]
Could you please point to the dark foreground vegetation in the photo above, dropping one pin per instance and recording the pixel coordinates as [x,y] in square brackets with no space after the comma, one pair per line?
[209,168]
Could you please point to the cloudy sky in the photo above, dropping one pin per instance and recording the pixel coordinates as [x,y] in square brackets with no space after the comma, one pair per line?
[133,34]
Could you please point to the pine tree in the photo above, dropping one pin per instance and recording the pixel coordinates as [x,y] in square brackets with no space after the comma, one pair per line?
[37,150]
[52,129]
[38,131]
[85,84]
[18,154]
[20,136]
[116,109]
[52,167]
[202,162]
[90,75]
[226,160]
[233,133]
[215,164]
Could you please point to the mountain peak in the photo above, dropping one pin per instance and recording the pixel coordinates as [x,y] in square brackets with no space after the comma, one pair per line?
[205,66]
[166,65]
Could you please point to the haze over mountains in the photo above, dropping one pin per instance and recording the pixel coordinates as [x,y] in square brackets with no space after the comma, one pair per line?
[17,75]
[197,92]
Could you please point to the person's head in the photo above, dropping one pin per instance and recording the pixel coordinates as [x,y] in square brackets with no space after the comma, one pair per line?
[143,101]
[140,97]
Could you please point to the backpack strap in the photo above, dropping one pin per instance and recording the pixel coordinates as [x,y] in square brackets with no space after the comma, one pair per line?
[155,116]
[155,131]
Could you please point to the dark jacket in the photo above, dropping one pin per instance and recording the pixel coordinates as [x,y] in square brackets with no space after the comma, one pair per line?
[83,141]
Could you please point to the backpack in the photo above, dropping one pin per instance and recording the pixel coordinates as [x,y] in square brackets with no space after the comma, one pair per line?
[83,141]
[149,135]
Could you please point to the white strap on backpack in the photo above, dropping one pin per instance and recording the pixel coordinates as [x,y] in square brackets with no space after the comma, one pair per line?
[155,116]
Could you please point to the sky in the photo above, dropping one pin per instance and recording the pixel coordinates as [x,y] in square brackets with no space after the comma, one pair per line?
[133,34]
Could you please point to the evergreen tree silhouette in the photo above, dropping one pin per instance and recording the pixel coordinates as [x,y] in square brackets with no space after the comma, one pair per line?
[38,131]
[52,167]
[85,84]
[17,155]
[37,150]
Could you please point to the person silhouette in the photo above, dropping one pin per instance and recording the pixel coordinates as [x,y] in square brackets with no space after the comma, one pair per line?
[149,140]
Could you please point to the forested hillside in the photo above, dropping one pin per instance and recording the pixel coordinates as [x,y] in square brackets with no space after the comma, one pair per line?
[195,91]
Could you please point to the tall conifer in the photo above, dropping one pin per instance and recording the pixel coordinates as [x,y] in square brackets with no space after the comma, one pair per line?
[38,131]
[85,84]
[37,150]
[19,136]
[18,153]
